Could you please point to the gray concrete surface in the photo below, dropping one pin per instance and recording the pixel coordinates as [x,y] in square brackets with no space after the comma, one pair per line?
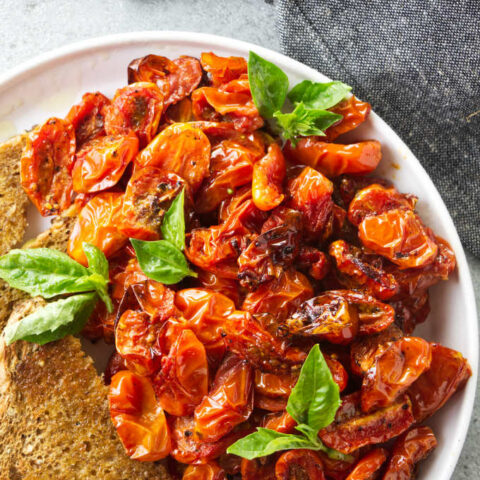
[30,27]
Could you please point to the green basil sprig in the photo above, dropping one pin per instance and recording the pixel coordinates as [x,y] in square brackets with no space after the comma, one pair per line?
[312,403]
[269,87]
[48,273]
[55,320]
[163,260]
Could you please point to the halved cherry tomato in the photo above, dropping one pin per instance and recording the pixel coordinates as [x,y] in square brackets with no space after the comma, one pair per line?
[137,107]
[365,349]
[206,313]
[183,380]
[184,80]
[263,467]
[356,271]
[400,236]
[136,342]
[281,296]
[339,374]
[46,165]
[408,450]
[225,286]
[354,112]
[299,465]
[207,471]
[152,69]
[448,372]
[394,370]
[328,316]
[248,339]
[333,159]
[281,422]
[97,224]
[375,199]
[231,167]
[138,418]
[150,192]
[311,194]
[267,179]
[101,162]
[274,385]
[368,465]
[180,149]
[353,429]
[313,261]
[88,117]
[187,449]
[223,69]
[229,402]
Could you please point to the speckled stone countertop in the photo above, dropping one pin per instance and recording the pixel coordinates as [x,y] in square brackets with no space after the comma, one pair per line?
[30,27]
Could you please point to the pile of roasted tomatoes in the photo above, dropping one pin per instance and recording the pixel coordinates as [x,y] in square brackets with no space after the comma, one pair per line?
[292,246]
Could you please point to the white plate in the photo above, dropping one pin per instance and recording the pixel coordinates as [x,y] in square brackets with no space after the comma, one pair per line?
[50,84]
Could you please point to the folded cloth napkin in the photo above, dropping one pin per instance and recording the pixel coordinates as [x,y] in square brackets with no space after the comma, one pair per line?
[417,62]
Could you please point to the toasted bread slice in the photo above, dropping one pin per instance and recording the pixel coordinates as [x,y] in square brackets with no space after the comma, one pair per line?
[13,200]
[54,417]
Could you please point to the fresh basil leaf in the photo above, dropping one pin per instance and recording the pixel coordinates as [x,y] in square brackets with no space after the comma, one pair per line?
[161,261]
[268,84]
[44,271]
[98,264]
[315,398]
[54,321]
[318,95]
[303,122]
[173,225]
[265,442]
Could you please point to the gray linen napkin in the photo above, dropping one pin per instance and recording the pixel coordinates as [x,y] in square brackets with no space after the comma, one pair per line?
[418,63]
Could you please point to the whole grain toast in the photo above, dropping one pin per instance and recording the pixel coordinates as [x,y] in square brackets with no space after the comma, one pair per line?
[54,417]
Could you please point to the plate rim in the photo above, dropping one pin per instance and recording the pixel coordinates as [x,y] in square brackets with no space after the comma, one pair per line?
[50,58]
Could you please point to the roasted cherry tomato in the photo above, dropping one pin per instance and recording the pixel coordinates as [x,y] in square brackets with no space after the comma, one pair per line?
[314,262]
[299,465]
[180,149]
[358,270]
[267,179]
[231,167]
[187,449]
[225,286]
[207,471]
[268,255]
[448,372]
[97,224]
[281,422]
[138,418]
[368,465]
[183,380]
[311,194]
[206,313]
[248,339]
[375,199]
[280,297]
[274,385]
[328,317]
[412,310]
[101,162]
[46,165]
[333,159]
[408,450]
[223,69]
[394,370]
[137,107]
[354,112]
[339,374]
[270,404]
[353,429]
[365,349]
[229,402]
[400,236]
[232,102]
[151,68]
[149,194]
[88,117]
[136,342]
